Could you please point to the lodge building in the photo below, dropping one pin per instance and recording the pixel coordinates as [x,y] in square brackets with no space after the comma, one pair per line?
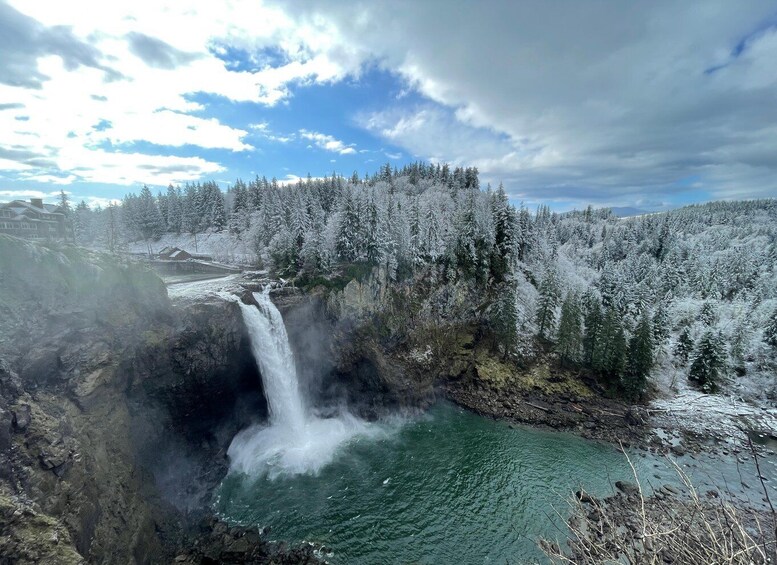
[34,220]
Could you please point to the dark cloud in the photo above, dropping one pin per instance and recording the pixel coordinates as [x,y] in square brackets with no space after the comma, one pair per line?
[597,101]
[19,155]
[23,40]
[156,53]
[41,161]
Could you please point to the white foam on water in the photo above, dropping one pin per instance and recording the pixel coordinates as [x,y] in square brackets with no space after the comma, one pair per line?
[296,441]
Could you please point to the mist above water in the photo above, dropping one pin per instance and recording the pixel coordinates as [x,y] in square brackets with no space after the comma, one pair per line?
[296,441]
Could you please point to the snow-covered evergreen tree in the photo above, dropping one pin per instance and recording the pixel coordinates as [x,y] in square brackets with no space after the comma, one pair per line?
[569,340]
[709,362]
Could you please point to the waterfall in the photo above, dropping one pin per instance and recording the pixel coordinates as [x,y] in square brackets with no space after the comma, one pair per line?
[296,441]
[271,349]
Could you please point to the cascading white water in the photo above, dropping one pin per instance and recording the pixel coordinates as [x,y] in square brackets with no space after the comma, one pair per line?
[272,352]
[296,441]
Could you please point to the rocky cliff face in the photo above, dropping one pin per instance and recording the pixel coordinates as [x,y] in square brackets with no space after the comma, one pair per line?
[113,404]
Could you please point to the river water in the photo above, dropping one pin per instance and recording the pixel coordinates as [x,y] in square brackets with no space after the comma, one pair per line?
[450,487]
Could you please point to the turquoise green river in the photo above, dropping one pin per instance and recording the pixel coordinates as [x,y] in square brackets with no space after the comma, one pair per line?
[450,487]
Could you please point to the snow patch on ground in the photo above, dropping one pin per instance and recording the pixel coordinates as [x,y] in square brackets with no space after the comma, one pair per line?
[223,287]
[222,246]
[722,417]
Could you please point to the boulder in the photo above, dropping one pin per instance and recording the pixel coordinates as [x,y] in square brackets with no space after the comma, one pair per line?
[22,416]
[627,488]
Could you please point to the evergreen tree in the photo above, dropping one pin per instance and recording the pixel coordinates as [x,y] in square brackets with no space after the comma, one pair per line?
[707,315]
[174,210]
[569,338]
[64,204]
[660,325]
[192,218]
[283,252]
[374,234]
[465,229]
[770,332]
[709,362]
[593,321]
[546,306]
[504,318]
[503,218]
[684,346]
[148,220]
[348,229]
[640,359]
[738,346]
[610,353]
[82,224]
[163,205]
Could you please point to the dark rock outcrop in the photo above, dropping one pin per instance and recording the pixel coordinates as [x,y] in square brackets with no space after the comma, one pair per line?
[218,542]
[105,388]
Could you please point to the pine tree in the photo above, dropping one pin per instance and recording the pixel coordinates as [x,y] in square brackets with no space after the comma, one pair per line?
[593,320]
[610,353]
[684,346]
[640,359]
[738,346]
[465,229]
[504,318]
[374,234]
[709,362]
[660,325]
[64,204]
[770,332]
[616,360]
[569,338]
[348,229]
[174,210]
[504,221]
[707,315]
[82,224]
[191,219]
[148,219]
[546,306]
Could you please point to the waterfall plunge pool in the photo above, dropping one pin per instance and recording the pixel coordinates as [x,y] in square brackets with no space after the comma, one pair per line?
[450,487]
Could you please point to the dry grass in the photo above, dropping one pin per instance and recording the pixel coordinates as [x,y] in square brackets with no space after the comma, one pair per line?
[686,529]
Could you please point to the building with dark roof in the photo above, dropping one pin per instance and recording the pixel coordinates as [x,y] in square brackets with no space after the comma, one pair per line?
[34,220]
[174,254]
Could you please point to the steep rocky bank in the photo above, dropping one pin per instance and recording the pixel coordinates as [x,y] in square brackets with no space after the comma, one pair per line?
[115,406]
[382,357]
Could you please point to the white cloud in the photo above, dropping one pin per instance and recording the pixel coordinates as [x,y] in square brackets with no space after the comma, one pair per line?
[327,142]
[579,100]
[263,130]
[130,79]
[27,194]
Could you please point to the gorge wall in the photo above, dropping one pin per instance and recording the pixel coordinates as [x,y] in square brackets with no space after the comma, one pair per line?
[114,406]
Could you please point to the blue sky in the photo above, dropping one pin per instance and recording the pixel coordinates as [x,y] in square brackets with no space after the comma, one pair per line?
[652,105]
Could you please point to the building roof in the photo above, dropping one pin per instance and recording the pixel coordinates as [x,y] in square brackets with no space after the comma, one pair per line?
[21,205]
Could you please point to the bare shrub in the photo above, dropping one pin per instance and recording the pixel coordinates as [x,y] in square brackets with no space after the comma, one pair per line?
[668,527]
